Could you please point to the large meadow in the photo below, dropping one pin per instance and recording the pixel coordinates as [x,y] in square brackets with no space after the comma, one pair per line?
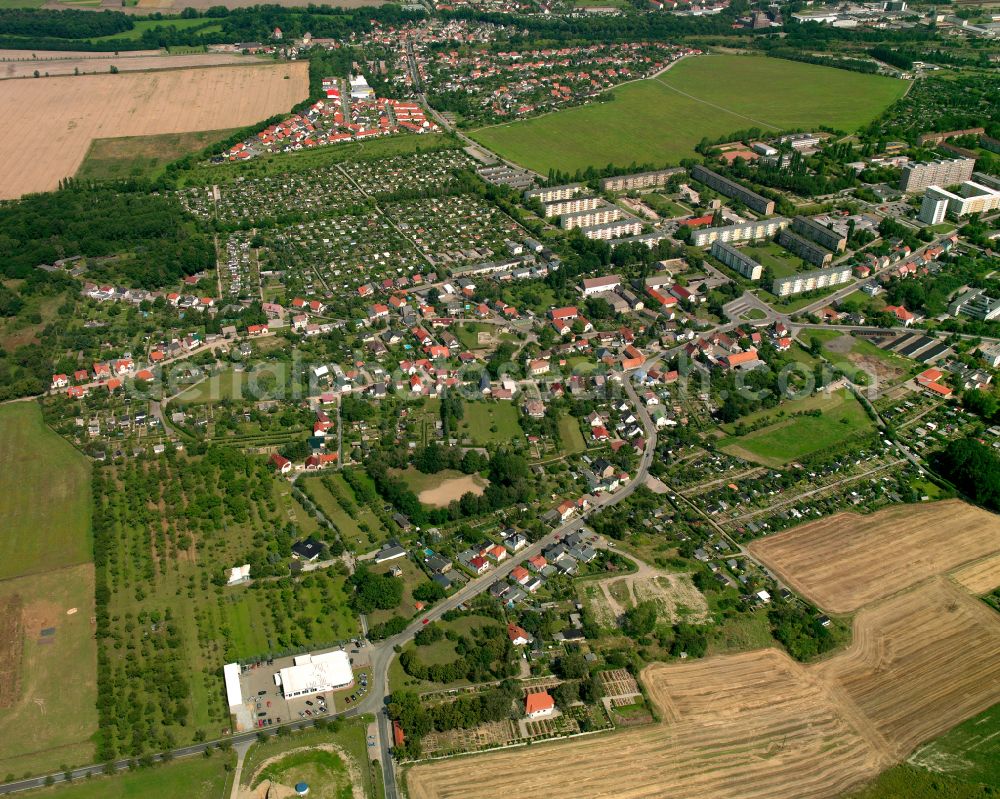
[662,119]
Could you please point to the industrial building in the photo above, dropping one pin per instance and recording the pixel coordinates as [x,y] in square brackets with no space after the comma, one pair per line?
[592,286]
[807,250]
[975,303]
[819,233]
[315,674]
[640,180]
[808,281]
[737,260]
[917,176]
[732,189]
[745,231]
[552,193]
[969,198]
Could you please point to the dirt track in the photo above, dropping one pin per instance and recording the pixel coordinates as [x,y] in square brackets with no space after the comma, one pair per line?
[846,561]
[51,122]
[93,64]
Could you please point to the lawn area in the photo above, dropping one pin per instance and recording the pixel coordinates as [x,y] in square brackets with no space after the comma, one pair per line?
[770,254]
[660,120]
[45,485]
[468,334]
[570,435]
[143,25]
[412,577]
[190,778]
[55,717]
[955,766]
[788,438]
[264,380]
[360,529]
[142,156]
[439,652]
[490,422]
[741,633]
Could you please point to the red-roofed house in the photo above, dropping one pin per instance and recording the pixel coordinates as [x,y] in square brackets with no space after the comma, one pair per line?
[281,463]
[739,359]
[518,635]
[903,315]
[520,575]
[60,381]
[539,705]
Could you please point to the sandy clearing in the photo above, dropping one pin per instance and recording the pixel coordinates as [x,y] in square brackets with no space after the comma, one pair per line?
[980,577]
[757,725]
[101,64]
[51,122]
[454,488]
[846,561]
[270,790]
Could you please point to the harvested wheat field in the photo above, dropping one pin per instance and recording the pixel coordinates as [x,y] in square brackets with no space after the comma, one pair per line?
[919,663]
[51,122]
[980,577]
[758,724]
[846,561]
[101,63]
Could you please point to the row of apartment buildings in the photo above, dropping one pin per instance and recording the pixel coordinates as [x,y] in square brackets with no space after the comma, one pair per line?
[732,189]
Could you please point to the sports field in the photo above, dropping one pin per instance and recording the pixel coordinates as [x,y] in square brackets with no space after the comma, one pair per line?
[44,483]
[791,437]
[660,120]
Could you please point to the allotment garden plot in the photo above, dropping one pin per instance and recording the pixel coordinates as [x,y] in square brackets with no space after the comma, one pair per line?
[456,230]
[417,172]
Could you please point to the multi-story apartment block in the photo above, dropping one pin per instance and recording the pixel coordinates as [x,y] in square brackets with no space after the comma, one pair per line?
[819,233]
[552,193]
[805,249]
[737,260]
[745,231]
[572,205]
[594,216]
[612,230]
[808,281]
[732,189]
[968,198]
[917,176]
[641,180]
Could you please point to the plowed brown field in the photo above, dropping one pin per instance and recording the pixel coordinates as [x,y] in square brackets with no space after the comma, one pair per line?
[49,122]
[847,561]
[757,725]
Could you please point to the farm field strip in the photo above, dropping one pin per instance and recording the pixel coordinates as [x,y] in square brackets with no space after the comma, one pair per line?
[52,122]
[979,577]
[101,63]
[843,562]
[758,724]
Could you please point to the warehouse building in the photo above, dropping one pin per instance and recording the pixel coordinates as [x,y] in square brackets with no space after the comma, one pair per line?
[316,674]
[809,281]
[640,180]
[733,190]
[745,231]
[807,250]
[819,233]
[737,260]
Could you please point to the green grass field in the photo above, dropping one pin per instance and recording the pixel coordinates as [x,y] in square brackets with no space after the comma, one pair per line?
[961,764]
[570,435]
[55,717]
[45,487]
[661,120]
[442,651]
[190,778]
[788,438]
[490,422]
[143,25]
[770,254]
[142,156]
[360,529]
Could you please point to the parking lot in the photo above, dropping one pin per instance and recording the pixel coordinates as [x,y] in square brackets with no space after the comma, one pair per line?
[266,705]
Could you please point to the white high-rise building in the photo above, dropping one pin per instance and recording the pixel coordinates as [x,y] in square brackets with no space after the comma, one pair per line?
[933,209]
